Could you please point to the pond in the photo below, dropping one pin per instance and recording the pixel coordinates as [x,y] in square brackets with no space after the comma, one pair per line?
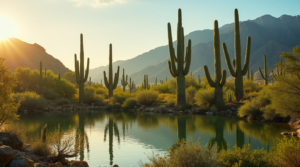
[125,138]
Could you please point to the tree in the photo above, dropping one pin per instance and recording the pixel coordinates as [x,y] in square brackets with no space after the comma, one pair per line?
[286,91]
[70,76]
[8,106]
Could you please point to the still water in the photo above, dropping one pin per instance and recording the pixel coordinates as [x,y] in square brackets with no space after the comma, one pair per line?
[126,138]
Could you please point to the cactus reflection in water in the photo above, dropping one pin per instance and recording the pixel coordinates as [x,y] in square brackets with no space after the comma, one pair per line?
[111,127]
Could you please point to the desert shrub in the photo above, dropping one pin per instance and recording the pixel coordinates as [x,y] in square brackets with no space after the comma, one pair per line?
[253,107]
[41,148]
[147,97]
[129,103]
[286,152]
[213,108]
[185,107]
[171,103]
[162,108]
[204,98]
[172,84]
[190,94]
[244,157]
[16,129]
[30,100]
[90,96]
[269,112]
[249,86]
[183,154]
[62,101]
[191,81]
[50,94]
[229,85]
[226,94]
[161,88]
[119,97]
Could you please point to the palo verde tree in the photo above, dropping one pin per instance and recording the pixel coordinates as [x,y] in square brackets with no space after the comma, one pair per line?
[109,83]
[81,78]
[218,84]
[123,81]
[183,62]
[238,73]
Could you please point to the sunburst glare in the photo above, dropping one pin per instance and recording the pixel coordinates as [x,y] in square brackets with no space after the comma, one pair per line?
[7,28]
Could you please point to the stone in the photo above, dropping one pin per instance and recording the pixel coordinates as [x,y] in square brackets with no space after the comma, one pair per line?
[20,161]
[52,165]
[59,164]
[11,140]
[284,133]
[6,154]
[1,144]
[63,161]
[293,133]
[39,165]
[76,163]
[115,165]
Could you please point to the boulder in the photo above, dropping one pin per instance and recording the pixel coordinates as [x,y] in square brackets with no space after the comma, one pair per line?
[52,165]
[63,161]
[11,140]
[284,133]
[39,165]
[21,161]
[6,154]
[77,163]
[59,164]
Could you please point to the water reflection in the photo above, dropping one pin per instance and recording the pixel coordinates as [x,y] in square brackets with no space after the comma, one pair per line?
[139,131]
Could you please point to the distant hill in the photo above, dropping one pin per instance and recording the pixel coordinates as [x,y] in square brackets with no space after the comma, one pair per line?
[269,35]
[21,54]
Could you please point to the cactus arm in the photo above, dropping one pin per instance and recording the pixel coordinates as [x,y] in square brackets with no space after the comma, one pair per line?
[116,79]
[170,69]
[105,80]
[172,53]
[223,78]
[247,58]
[87,70]
[126,79]
[227,58]
[262,75]
[187,58]
[209,80]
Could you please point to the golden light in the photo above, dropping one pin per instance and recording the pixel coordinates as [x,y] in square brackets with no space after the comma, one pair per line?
[7,28]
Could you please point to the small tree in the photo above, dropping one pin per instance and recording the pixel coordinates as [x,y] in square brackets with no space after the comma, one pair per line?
[8,106]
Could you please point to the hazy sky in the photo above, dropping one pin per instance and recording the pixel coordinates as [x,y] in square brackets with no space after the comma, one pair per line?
[132,26]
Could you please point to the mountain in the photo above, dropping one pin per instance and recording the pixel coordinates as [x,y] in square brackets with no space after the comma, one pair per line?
[269,35]
[21,54]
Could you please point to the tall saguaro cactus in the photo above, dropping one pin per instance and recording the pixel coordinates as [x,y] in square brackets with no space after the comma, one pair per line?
[145,83]
[109,83]
[199,79]
[279,70]
[155,81]
[81,77]
[266,75]
[42,80]
[123,81]
[238,73]
[131,85]
[218,84]
[183,62]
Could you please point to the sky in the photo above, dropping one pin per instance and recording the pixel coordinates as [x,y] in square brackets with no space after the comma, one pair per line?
[132,27]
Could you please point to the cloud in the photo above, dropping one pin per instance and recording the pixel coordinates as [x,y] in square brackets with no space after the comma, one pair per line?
[96,3]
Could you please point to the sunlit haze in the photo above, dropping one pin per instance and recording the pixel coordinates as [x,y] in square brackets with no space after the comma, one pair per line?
[132,26]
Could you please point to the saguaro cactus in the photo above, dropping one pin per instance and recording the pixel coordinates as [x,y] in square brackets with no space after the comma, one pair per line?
[131,85]
[145,83]
[266,75]
[183,62]
[239,72]
[110,84]
[279,70]
[81,78]
[218,84]
[252,74]
[42,80]
[199,79]
[59,76]
[155,81]
[123,81]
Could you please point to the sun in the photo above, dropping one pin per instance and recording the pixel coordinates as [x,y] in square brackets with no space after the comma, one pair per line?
[7,28]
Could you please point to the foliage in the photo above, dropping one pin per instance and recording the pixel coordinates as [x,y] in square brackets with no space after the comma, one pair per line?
[50,94]
[185,107]
[162,108]
[205,97]
[287,152]
[129,103]
[90,96]
[191,82]
[8,106]
[183,154]
[71,77]
[119,97]
[146,97]
[62,101]
[41,148]
[16,129]
[190,94]
[171,103]
[162,88]
[30,100]
[244,157]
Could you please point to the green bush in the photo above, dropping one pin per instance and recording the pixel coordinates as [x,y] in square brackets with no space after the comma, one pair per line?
[129,103]
[191,82]
[146,97]
[90,96]
[50,94]
[185,107]
[244,157]
[287,152]
[190,94]
[119,98]
[171,103]
[162,88]
[30,100]
[41,148]
[162,108]
[204,98]
[62,101]
[183,154]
